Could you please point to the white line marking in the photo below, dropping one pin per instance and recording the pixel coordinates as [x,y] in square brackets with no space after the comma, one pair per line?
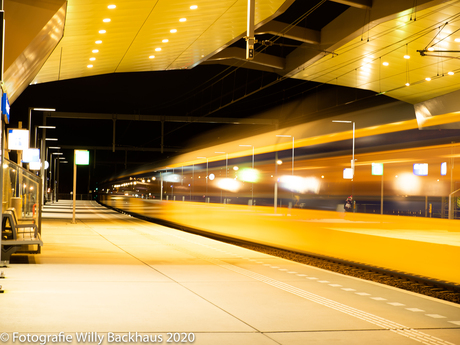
[455,322]
[348,289]
[378,298]
[302,275]
[362,315]
[371,318]
[396,304]
[311,278]
[415,310]
[283,269]
[335,285]
[363,293]
[436,316]
[292,272]
[323,281]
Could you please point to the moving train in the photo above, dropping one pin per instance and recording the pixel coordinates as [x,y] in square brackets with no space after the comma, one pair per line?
[393,168]
[287,189]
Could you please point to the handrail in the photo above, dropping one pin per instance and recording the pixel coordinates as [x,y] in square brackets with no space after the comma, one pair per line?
[450,203]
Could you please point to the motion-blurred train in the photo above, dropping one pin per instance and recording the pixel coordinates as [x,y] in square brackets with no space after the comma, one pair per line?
[398,168]
[287,189]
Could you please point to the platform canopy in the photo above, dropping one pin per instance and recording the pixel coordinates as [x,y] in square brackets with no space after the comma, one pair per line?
[407,49]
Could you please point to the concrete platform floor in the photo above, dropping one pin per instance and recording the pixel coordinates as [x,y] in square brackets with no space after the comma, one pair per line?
[112,278]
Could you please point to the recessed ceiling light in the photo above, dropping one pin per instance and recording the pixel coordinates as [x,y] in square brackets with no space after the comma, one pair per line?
[102,31]
[457,40]
[157,49]
[428,79]
[106,20]
[92,59]
[98,42]
[165,40]
[111,7]
[90,66]
[183,20]
[406,56]
[407,84]
[430,49]
[173,31]
[385,63]
[450,73]
[95,51]
[152,57]
[193,7]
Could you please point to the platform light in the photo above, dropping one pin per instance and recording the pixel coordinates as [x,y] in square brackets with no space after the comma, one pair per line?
[298,184]
[193,7]
[428,79]
[420,169]
[98,42]
[406,57]
[111,7]
[348,173]
[173,31]
[385,63]
[158,49]
[377,169]
[102,31]
[106,20]
[95,51]
[249,175]
[152,57]
[450,73]
[165,40]
[444,168]
[279,162]
[229,184]
[92,59]
[183,20]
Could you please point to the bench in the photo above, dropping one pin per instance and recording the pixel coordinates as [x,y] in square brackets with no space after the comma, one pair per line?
[15,235]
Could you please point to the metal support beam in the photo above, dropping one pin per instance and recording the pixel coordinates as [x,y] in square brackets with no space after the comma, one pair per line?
[162,135]
[239,54]
[113,140]
[109,148]
[250,40]
[362,4]
[159,118]
[293,32]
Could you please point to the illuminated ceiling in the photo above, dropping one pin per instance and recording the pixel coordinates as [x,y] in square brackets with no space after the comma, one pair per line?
[383,57]
[146,35]
[362,46]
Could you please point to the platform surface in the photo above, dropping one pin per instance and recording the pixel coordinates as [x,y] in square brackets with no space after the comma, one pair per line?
[111,275]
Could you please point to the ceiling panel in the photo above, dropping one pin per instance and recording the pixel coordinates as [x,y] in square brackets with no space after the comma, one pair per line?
[359,62]
[137,28]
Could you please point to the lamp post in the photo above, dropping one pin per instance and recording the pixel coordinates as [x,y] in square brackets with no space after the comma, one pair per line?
[226,168]
[252,184]
[353,144]
[289,136]
[30,119]
[53,173]
[206,194]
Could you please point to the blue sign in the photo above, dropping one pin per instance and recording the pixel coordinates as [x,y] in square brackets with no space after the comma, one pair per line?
[6,107]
